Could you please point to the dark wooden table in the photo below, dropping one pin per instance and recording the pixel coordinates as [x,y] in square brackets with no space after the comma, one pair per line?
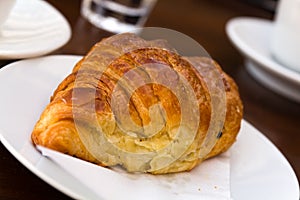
[277,117]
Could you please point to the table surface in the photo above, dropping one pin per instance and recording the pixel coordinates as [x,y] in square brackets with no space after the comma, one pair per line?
[275,116]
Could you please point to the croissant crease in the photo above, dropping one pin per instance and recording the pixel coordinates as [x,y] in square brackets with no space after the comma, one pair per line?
[139,104]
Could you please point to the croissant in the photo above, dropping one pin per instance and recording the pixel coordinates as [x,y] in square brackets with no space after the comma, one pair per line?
[141,105]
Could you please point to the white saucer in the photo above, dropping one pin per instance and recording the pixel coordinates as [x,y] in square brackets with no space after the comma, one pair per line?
[33,28]
[251,37]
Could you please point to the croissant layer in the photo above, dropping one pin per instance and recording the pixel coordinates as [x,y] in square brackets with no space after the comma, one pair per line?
[139,104]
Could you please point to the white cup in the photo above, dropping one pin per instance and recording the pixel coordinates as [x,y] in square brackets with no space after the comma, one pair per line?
[5,9]
[285,39]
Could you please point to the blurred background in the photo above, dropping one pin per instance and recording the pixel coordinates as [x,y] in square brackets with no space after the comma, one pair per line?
[204,21]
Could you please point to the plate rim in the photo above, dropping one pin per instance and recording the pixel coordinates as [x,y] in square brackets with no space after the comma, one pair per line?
[7,55]
[258,134]
[29,165]
[265,62]
[278,85]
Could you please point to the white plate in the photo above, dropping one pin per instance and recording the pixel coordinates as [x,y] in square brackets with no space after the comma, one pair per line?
[251,37]
[33,28]
[256,173]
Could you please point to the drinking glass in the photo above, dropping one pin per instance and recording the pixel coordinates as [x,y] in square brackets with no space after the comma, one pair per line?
[117,16]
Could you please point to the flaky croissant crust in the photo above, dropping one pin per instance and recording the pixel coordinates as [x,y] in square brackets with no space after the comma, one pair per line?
[96,76]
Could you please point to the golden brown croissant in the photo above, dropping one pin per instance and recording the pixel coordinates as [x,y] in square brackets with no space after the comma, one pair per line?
[139,104]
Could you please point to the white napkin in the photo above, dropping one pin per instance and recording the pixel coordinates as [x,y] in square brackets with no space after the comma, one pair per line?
[210,180]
